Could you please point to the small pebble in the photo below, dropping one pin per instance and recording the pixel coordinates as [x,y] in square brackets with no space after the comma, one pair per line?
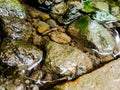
[52,23]
[60,37]
[42,27]
[44,16]
[34,14]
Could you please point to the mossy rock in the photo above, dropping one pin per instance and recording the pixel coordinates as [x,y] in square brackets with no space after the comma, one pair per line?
[90,34]
[11,8]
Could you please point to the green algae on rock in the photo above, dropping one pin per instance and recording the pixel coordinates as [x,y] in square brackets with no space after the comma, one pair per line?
[95,5]
[88,6]
[83,23]
[11,8]
[93,33]
[20,70]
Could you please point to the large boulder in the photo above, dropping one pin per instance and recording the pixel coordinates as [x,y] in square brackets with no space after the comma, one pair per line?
[17,59]
[104,78]
[89,33]
[65,61]
[93,37]
[21,54]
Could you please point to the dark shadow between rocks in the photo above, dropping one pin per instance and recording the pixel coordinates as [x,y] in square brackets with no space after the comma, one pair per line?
[35,4]
[2,33]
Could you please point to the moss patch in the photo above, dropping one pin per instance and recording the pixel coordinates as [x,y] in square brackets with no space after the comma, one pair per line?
[82,24]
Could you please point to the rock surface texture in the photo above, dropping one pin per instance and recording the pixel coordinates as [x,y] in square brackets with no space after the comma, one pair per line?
[104,78]
[59,44]
[66,61]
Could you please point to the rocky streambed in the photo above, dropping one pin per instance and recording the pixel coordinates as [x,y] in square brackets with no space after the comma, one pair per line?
[59,44]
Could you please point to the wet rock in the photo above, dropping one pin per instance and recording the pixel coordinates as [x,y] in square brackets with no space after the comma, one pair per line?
[34,13]
[43,27]
[88,6]
[102,16]
[11,86]
[71,13]
[52,23]
[37,39]
[16,28]
[60,37]
[64,11]
[46,2]
[95,5]
[103,6]
[104,45]
[104,78]
[60,8]
[68,11]
[49,2]
[80,39]
[91,34]
[12,17]
[11,8]
[65,61]
[20,54]
[61,29]
[115,10]
[44,16]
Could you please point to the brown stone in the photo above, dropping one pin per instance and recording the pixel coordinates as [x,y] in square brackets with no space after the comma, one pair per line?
[65,60]
[60,37]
